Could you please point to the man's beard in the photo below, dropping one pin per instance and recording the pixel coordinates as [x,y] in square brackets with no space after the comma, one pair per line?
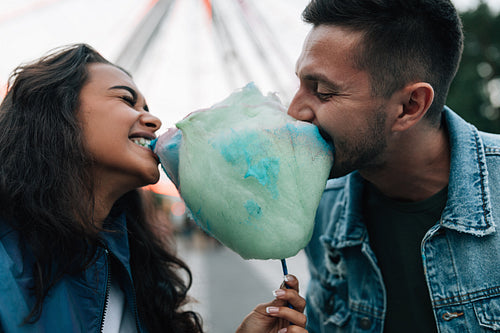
[364,154]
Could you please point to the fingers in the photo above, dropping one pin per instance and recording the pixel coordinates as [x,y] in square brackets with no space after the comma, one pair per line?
[293,329]
[291,296]
[291,282]
[293,316]
[289,320]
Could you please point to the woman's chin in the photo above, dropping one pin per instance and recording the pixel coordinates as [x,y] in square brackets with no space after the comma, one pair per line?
[154,177]
[148,178]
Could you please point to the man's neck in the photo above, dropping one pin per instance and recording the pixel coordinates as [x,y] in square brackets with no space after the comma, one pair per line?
[416,171]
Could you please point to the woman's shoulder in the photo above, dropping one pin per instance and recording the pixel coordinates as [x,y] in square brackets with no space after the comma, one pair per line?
[12,257]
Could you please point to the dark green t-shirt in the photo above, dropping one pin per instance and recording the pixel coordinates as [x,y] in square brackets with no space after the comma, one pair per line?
[396,230]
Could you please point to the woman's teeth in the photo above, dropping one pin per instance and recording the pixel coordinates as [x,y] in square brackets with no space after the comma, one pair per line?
[142,142]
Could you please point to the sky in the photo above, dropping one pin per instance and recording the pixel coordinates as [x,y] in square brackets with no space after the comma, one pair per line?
[184,71]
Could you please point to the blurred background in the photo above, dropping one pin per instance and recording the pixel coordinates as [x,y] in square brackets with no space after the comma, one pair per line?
[189,54]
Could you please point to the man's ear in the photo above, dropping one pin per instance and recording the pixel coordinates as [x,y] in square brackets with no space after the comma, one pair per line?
[416,99]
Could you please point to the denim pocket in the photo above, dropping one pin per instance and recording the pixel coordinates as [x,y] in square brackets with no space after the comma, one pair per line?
[488,312]
[329,302]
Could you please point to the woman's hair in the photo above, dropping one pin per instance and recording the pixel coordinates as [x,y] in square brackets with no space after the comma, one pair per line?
[46,191]
[404,41]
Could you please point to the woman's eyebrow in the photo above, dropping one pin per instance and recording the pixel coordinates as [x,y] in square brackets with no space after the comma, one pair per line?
[127,88]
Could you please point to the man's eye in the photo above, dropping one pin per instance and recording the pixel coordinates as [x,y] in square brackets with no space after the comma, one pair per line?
[324,97]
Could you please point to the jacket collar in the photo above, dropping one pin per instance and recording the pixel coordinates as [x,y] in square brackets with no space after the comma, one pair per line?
[468,208]
[115,238]
[350,229]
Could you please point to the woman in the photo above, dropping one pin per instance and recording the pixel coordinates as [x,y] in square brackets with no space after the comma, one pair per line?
[77,251]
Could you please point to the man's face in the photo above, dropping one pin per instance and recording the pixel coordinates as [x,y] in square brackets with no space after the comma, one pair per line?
[337,97]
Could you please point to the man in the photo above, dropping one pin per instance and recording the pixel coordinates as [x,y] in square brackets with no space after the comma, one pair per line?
[405,237]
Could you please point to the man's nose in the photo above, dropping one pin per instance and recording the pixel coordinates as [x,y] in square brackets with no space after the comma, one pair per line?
[300,108]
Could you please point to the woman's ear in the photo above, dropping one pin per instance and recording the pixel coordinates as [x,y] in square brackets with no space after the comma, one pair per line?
[416,100]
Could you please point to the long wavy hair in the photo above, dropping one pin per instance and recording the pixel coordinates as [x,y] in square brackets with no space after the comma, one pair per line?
[46,192]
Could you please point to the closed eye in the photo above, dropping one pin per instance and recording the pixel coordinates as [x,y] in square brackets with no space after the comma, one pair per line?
[324,97]
[129,100]
[323,88]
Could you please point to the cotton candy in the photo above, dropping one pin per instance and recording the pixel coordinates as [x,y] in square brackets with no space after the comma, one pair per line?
[251,175]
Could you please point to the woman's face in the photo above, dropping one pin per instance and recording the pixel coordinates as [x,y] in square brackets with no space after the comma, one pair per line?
[115,117]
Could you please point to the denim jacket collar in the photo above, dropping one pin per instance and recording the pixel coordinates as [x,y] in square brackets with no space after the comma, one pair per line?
[467,210]
[116,239]
[351,230]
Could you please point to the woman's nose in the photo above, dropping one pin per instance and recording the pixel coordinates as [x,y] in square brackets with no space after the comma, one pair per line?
[151,121]
[300,109]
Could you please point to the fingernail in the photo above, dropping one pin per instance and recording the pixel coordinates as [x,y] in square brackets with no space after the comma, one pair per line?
[278,292]
[283,330]
[289,278]
[272,309]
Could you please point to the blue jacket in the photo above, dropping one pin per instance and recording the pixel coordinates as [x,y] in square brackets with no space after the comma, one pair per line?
[74,304]
[461,252]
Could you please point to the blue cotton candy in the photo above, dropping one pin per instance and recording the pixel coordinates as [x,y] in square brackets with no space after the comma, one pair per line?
[167,147]
[152,144]
[251,175]
[243,150]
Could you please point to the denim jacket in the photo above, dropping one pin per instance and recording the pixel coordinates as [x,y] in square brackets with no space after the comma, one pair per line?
[77,302]
[460,253]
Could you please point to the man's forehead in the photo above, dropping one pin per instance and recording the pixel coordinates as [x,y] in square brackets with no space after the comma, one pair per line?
[325,35]
[328,43]
[328,59]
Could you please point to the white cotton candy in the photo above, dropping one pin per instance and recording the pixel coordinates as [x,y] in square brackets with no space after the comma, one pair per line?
[251,175]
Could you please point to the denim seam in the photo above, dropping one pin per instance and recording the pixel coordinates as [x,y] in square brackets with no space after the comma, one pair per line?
[469,297]
[366,310]
[490,150]
[483,190]
[487,226]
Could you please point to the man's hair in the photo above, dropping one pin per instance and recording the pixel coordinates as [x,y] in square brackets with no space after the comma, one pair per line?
[403,41]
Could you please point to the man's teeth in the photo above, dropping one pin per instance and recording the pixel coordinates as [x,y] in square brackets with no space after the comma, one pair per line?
[142,142]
